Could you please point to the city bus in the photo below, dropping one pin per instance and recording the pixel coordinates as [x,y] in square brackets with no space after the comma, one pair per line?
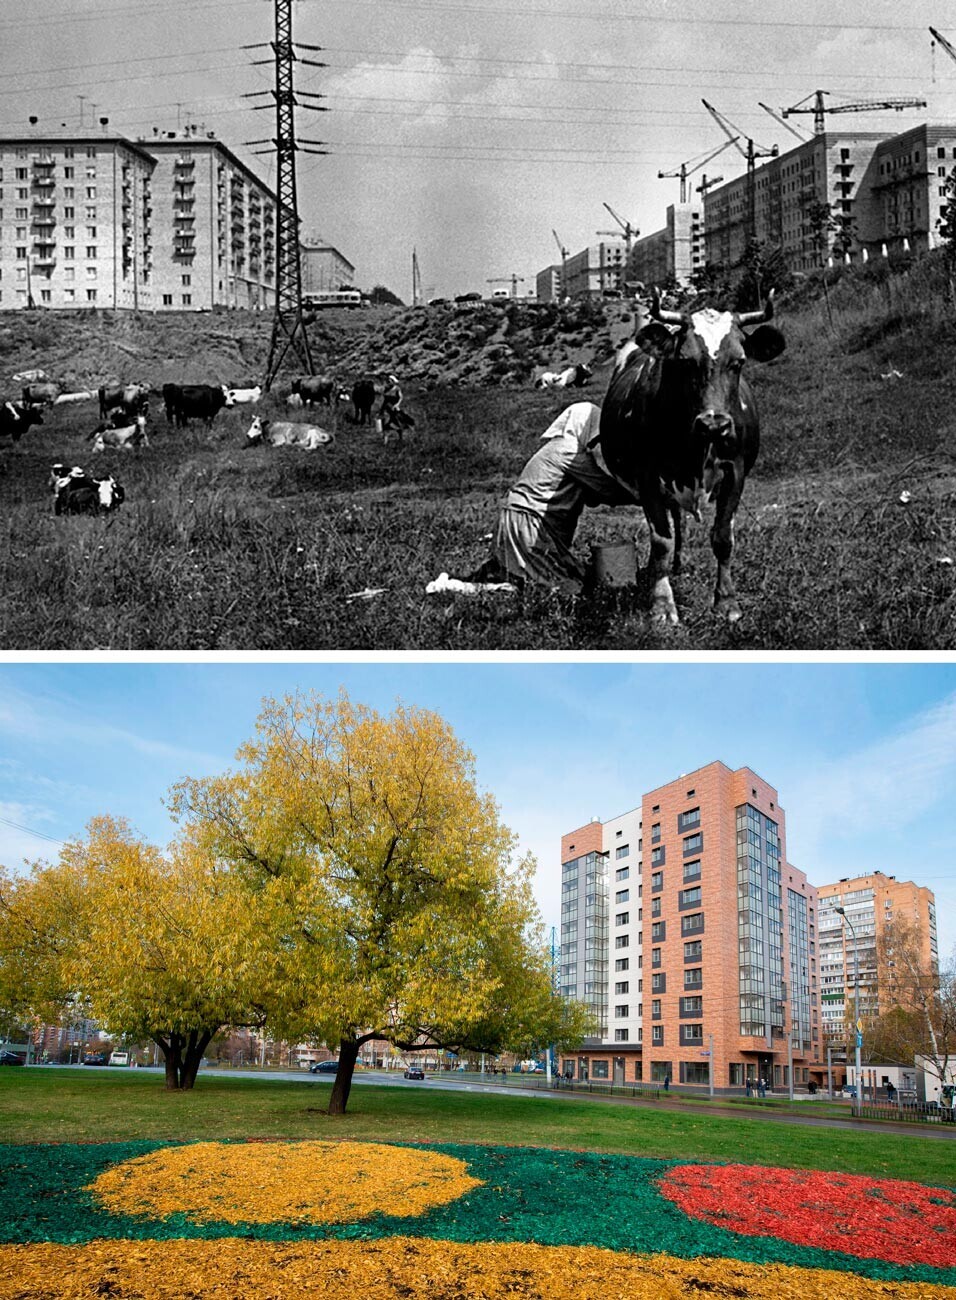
[332,298]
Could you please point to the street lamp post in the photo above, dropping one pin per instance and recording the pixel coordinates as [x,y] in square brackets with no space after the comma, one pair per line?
[856,1006]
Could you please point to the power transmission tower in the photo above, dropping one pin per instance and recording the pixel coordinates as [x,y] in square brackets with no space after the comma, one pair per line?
[288,326]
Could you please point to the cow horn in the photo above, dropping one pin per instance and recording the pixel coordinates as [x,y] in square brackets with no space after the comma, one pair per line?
[658,312]
[756,317]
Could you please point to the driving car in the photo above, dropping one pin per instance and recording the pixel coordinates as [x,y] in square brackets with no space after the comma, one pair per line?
[10,1058]
[95,1058]
[323,1067]
[414,1072]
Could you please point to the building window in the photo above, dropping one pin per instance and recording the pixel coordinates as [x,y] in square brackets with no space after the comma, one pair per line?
[689,897]
[622,851]
[655,1008]
[693,977]
[694,1072]
[659,982]
[692,1033]
[657,1034]
[187,279]
[656,904]
[69,252]
[622,963]
[688,821]
[91,295]
[657,880]
[692,1006]
[658,931]
[622,941]
[91,252]
[622,918]
[620,1011]
[620,1035]
[693,843]
[69,214]
[622,896]
[599,1069]
[69,295]
[45,295]
[622,986]
[656,956]
[167,299]
[692,870]
[622,873]
[187,299]
[693,921]
[657,856]
[656,833]
[91,191]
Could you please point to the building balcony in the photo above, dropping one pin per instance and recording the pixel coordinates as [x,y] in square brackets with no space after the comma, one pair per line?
[45,259]
[44,161]
[43,219]
[44,182]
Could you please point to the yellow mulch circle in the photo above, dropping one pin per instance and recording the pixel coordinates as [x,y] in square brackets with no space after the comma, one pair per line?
[409,1267]
[294,1182]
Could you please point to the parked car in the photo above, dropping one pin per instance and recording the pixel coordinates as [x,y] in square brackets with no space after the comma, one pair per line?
[414,1072]
[323,1067]
[95,1058]
[10,1058]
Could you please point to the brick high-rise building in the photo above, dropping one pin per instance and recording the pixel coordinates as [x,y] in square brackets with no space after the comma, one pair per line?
[849,944]
[692,938]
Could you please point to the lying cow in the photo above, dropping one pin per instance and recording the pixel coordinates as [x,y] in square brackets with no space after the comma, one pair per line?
[81,395]
[122,438]
[245,396]
[203,401]
[17,417]
[129,399]
[679,428]
[280,433]
[77,492]
[572,377]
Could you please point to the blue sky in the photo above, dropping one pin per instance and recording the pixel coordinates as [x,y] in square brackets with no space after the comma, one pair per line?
[863,756]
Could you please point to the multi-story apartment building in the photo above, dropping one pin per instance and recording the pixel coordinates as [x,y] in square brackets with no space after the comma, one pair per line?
[548,286]
[176,222]
[324,268]
[691,938]
[596,268]
[849,942]
[884,195]
[675,252]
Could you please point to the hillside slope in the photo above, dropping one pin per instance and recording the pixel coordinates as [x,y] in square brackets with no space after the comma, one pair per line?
[428,346]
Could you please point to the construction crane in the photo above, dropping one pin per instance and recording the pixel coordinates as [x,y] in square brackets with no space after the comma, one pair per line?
[513,280]
[944,42]
[802,136]
[751,153]
[685,170]
[564,262]
[820,110]
[630,232]
[708,183]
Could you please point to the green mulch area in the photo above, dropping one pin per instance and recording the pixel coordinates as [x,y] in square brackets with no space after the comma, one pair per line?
[527,1195]
[43,1104]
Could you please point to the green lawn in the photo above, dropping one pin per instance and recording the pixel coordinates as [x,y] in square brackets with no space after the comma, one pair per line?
[39,1105]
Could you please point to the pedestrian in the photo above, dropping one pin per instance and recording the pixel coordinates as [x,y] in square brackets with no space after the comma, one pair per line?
[749,1089]
[390,412]
[539,516]
[761,1087]
[667,1082]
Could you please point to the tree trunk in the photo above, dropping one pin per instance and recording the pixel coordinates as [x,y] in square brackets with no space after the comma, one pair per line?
[197,1044]
[172,1052]
[348,1055]
[182,1055]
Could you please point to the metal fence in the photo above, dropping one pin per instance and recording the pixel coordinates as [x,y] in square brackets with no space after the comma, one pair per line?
[907,1112]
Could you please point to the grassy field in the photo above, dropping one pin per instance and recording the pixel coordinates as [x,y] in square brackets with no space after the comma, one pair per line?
[846,536]
[39,1105]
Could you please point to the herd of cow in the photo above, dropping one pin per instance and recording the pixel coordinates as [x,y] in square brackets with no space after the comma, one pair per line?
[678,428]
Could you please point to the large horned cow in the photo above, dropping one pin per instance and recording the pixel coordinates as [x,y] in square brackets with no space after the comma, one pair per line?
[679,427]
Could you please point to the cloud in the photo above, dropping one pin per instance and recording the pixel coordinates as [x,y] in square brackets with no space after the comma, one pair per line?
[903,776]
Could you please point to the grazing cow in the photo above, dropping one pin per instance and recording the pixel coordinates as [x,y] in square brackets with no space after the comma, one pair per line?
[280,433]
[122,438]
[130,399]
[16,418]
[315,390]
[41,394]
[572,377]
[363,399]
[294,402]
[77,492]
[183,401]
[679,427]
[245,396]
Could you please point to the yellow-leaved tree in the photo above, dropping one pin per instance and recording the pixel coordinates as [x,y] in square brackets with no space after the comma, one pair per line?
[151,945]
[386,887]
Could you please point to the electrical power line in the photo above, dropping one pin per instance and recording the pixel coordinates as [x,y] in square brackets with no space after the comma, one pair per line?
[40,835]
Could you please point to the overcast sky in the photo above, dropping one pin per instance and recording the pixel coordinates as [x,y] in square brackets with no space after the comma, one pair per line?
[470,129]
[863,757]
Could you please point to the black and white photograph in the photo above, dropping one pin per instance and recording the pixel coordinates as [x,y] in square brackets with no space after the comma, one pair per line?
[451,325]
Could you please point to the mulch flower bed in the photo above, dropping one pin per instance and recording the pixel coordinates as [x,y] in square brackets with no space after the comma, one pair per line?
[455,1222]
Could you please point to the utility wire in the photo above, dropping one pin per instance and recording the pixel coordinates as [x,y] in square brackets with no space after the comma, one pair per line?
[5,821]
